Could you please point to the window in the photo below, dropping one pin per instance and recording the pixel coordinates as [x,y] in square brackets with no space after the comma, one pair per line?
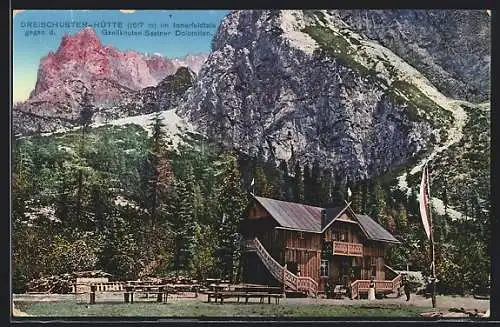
[323,268]
[301,235]
[343,235]
[340,234]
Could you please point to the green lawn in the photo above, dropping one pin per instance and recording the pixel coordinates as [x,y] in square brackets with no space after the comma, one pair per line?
[201,309]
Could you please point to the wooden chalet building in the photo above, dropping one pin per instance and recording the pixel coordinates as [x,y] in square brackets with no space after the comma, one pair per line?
[304,247]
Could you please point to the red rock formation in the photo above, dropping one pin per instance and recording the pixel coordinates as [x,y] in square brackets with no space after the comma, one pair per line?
[82,57]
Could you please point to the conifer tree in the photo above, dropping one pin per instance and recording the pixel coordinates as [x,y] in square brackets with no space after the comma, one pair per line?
[413,205]
[286,192]
[365,186]
[357,197]
[315,185]
[232,202]
[308,188]
[401,218]
[261,187]
[204,259]
[183,221]
[338,196]
[274,179]
[157,171]
[378,203]
[298,184]
[325,186]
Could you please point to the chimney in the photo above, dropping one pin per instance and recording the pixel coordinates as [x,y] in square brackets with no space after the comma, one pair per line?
[323,218]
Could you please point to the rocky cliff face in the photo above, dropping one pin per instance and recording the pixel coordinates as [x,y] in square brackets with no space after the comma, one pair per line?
[452,48]
[306,85]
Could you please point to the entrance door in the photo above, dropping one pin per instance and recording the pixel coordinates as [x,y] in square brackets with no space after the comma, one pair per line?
[357,272]
[292,267]
[345,266]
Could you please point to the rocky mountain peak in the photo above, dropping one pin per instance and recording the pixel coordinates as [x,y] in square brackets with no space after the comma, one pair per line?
[83,57]
[83,46]
[83,64]
[86,37]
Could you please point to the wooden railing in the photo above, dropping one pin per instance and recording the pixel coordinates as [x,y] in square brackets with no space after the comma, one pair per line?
[291,280]
[272,265]
[396,282]
[307,284]
[347,248]
[362,285]
[355,289]
[282,274]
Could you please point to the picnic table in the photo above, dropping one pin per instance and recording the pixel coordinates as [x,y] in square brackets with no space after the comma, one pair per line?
[160,290]
[184,288]
[218,287]
[210,281]
[131,288]
[224,291]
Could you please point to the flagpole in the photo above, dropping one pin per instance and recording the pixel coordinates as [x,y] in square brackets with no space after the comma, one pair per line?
[433,253]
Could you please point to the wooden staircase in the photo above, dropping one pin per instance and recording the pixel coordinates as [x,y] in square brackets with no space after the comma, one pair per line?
[283,275]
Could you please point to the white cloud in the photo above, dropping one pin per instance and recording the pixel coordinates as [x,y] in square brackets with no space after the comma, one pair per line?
[127,11]
[489,12]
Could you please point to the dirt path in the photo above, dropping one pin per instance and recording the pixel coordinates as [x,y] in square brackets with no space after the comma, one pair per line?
[442,302]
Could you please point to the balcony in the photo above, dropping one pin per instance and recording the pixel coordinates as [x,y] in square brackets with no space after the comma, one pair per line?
[346,248]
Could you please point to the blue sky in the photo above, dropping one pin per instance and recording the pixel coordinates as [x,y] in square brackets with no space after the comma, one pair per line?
[29,47]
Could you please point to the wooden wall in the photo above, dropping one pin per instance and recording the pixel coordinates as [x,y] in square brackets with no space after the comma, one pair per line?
[261,225]
[305,249]
[257,211]
[374,256]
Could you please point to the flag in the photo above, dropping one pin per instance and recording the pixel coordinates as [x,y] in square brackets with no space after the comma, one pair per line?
[253,182]
[349,193]
[252,185]
[424,203]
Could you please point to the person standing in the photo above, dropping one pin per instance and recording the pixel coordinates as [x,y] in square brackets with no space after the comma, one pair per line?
[406,288]
[371,290]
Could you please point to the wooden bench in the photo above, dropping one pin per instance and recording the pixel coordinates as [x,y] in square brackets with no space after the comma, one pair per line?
[183,289]
[246,295]
[162,295]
